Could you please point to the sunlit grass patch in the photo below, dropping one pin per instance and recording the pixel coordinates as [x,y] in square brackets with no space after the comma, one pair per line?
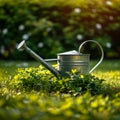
[112,81]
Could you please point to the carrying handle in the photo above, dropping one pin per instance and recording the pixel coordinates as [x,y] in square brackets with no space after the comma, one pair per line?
[102,53]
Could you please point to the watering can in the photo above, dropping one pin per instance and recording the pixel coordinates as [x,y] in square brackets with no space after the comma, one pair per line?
[67,60]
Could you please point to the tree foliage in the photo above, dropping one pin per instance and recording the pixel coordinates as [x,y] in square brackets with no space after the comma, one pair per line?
[58,26]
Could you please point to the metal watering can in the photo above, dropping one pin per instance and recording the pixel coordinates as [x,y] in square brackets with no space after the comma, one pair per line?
[67,60]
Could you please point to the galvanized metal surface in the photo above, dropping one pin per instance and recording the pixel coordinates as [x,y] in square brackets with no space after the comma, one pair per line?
[80,62]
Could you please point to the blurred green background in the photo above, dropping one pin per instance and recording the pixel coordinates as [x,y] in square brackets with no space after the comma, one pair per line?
[50,27]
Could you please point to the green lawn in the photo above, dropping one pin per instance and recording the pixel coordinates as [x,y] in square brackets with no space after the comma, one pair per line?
[34,93]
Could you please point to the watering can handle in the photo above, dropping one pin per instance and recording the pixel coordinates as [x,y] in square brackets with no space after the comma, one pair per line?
[102,53]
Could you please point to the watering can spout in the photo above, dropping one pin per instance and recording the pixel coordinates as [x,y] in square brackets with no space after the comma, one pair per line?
[22,46]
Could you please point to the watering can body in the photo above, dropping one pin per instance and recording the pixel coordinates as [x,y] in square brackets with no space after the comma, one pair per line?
[73,60]
[67,60]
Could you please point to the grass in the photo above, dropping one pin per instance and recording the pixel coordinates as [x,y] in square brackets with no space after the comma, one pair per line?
[105,66]
[108,70]
[18,103]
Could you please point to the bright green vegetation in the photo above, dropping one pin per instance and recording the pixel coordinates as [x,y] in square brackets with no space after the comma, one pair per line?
[32,92]
[55,26]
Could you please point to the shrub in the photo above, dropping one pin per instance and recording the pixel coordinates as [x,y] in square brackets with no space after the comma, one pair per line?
[42,80]
[58,26]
